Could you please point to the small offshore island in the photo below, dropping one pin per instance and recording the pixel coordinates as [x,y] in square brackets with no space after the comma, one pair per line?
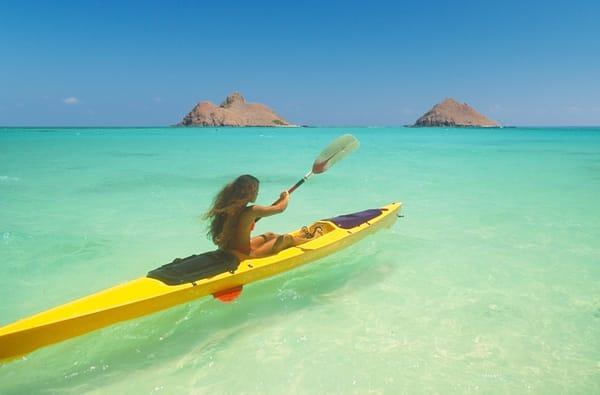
[234,111]
[451,113]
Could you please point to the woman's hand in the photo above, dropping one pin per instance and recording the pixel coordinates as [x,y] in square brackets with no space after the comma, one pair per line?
[284,197]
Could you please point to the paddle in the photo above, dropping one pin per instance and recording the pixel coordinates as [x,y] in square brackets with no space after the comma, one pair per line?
[337,150]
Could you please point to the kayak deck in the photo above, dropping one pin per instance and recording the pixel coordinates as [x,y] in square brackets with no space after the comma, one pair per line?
[148,295]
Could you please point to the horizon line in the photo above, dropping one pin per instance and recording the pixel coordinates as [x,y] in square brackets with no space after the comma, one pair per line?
[297,127]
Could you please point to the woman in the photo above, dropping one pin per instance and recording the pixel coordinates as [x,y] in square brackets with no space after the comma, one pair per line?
[232,220]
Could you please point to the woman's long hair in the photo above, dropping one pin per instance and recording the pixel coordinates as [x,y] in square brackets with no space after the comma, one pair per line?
[229,202]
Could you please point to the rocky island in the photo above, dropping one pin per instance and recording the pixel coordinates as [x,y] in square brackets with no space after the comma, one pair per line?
[452,113]
[234,111]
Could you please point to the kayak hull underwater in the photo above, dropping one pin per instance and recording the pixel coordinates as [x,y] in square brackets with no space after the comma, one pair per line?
[147,295]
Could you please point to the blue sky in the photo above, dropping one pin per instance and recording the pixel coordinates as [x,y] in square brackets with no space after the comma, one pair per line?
[314,62]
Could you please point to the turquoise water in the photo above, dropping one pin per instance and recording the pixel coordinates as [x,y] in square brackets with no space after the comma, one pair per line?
[489,284]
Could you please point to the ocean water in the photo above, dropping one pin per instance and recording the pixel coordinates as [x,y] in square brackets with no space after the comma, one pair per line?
[490,283]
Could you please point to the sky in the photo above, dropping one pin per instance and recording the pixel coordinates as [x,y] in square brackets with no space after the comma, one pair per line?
[147,63]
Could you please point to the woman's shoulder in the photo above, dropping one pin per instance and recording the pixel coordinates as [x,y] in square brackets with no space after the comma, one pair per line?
[248,212]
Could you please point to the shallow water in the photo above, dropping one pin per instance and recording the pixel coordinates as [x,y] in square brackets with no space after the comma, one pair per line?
[490,283]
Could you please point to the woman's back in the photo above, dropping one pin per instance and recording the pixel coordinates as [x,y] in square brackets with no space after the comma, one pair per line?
[240,226]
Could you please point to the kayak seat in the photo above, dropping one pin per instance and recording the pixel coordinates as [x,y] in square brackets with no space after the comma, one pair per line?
[349,221]
[195,267]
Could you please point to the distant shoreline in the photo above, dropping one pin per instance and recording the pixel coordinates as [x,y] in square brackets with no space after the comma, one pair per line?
[240,126]
[301,127]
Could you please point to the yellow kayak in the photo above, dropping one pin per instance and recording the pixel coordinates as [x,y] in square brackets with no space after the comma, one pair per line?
[215,273]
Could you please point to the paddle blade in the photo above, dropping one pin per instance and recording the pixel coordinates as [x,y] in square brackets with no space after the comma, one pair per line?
[336,151]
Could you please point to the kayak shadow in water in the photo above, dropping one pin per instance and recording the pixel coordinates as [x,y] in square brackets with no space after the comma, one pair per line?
[191,334]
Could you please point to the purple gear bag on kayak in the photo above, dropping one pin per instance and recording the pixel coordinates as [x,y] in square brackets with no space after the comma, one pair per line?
[348,221]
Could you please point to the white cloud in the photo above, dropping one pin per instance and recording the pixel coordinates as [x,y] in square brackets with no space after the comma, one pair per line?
[71,100]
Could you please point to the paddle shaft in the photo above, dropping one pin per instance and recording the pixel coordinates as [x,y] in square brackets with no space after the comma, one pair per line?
[296,185]
[333,153]
[292,189]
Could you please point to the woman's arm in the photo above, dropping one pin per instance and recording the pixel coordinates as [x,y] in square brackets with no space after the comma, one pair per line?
[278,207]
